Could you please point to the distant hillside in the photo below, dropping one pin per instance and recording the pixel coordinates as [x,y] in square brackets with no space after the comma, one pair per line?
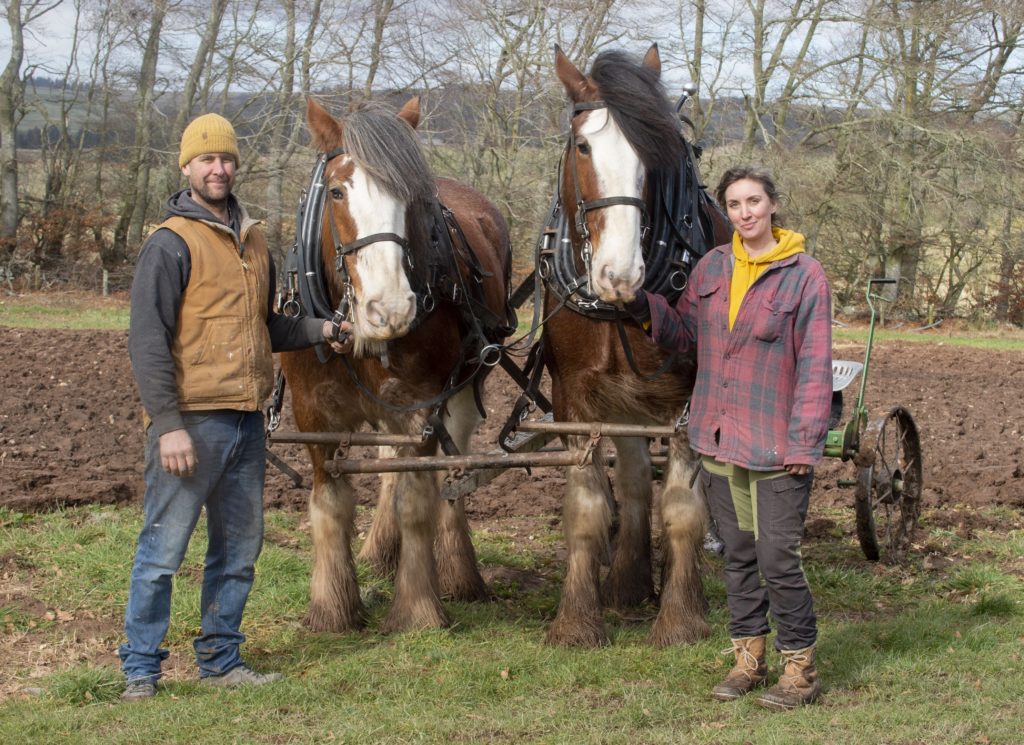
[452,115]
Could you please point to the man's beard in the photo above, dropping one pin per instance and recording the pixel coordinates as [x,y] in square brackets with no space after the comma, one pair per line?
[204,192]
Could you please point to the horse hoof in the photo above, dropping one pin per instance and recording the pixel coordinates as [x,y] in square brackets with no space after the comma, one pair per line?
[382,564]
[580,636]
[464,590]
[422,619]
[662,635]
[623,597]
[467,594]
[322,620]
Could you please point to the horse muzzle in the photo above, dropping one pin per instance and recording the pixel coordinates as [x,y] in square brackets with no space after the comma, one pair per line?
[382,320]
[613,285]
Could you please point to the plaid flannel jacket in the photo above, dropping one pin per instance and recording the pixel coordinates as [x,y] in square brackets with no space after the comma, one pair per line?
[765,387]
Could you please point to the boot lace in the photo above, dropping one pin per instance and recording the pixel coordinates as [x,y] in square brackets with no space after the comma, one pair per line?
[746,663]
[791,680]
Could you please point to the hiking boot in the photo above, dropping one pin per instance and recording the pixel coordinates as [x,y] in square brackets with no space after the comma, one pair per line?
[798,685]
[138,689]
[242,675]
[748,672]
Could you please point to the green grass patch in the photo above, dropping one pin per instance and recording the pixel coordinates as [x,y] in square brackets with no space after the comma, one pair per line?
[1006,341]
[906,654]
[88,311]
[77,312]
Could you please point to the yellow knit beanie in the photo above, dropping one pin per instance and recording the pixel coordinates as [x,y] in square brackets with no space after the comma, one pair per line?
[209,133]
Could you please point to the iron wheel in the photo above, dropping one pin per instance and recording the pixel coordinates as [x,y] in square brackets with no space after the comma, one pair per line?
[888,494]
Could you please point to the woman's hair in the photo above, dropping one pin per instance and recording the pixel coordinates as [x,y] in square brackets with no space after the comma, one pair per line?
[755,173]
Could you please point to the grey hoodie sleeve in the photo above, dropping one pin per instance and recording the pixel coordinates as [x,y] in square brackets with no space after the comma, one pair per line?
[287,333]
[161,276]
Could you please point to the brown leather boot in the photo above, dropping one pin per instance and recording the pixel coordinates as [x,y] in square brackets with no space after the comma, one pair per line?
[748,672]
[798,685]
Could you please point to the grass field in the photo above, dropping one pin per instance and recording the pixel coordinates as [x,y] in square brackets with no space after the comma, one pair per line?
[89,311]
[64,311]
[908,654]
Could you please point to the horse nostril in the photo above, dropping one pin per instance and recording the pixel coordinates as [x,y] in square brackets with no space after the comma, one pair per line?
[374,314]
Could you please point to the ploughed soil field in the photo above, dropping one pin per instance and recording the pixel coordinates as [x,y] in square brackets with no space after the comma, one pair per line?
[71,428]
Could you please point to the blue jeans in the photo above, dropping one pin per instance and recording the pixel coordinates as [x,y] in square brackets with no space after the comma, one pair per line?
[228,481]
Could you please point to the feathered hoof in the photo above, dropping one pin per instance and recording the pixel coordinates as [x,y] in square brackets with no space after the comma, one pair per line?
[622,596]
[424,616]
[382,564]
[322,619]
[666,634]
[577,633]
[465,589]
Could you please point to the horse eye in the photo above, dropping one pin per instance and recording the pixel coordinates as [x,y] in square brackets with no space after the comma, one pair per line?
[584,148]
[337,193]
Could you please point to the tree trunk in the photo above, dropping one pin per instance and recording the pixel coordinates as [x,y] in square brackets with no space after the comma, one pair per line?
[11,90]
[278,157]
[200,61]
[133,218]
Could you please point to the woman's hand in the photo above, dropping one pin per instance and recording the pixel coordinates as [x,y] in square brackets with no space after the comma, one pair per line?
[798,469]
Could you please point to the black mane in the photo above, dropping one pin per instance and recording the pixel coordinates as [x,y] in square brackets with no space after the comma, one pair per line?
[635,97]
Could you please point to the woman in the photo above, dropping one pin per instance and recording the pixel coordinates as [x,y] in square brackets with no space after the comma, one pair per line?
[759,311]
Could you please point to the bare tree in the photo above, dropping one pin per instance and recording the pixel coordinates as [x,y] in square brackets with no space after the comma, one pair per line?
[12,90]
[780,53]
[133,216]
[199,70]
[705,46]
[500,108]
[285,119]
[889,136]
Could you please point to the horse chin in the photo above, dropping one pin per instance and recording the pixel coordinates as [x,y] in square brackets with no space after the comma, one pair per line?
[617,287]
[363,347]
[618,293]
[380,333]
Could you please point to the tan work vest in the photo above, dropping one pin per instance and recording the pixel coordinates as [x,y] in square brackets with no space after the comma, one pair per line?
[221,347]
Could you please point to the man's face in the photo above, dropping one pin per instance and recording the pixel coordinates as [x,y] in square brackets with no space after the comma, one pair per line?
[211,177]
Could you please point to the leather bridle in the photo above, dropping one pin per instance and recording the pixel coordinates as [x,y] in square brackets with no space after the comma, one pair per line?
[341,250]
[584,206]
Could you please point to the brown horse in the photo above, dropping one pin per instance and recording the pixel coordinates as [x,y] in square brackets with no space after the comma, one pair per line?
[378,198]
[623,130]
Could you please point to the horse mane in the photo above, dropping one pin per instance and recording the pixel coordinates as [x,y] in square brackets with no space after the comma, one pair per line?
[636,98]
[389,150]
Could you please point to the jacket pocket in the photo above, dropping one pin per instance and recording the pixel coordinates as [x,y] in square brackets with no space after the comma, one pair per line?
[774,316]
[708,287]
[217,370]
[788,504]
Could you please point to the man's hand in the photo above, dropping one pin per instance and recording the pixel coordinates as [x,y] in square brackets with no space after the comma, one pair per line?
[177,454]
[798,469]
[342,345]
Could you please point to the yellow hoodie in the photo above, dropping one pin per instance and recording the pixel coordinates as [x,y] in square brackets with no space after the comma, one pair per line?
[746,270]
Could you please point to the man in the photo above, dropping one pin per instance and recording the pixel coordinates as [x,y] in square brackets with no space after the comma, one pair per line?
[201,338]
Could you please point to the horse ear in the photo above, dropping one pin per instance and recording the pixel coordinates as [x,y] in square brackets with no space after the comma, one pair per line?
[411,112]
[327,132]
[573,80]
[652,60]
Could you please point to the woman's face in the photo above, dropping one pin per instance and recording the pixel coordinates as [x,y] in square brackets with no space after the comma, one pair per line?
[750,210]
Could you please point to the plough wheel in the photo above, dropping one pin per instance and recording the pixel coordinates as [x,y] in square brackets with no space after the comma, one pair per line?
[888,495]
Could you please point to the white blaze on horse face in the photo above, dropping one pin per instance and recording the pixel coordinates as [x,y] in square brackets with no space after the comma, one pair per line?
[617,271]
[385,304]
